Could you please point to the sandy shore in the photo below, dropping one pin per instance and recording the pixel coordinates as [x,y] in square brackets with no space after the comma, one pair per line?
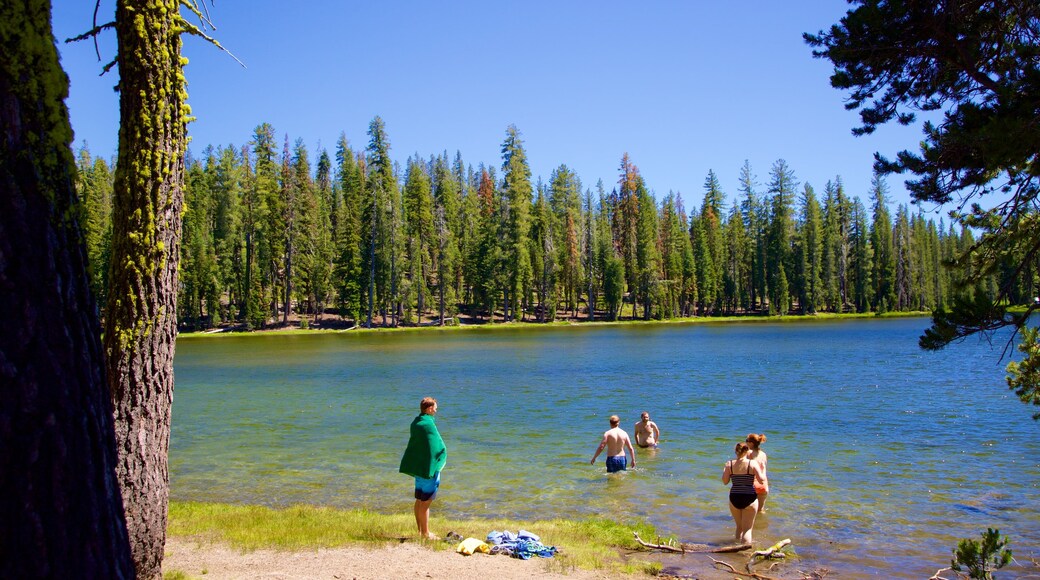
[205,560]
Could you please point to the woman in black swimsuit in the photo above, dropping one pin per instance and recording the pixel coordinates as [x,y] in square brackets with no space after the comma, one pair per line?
[743,501]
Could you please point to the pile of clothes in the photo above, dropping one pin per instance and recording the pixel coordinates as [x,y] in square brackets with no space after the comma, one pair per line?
[522,544]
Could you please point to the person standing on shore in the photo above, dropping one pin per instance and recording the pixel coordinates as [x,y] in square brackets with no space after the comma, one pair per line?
[755,454]
[423,459]
[616,442]
[646,432]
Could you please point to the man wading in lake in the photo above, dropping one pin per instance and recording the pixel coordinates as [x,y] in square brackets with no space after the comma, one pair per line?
[423,459]
[616,441]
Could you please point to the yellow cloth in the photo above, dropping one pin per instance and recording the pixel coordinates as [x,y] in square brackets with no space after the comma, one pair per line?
[470,545]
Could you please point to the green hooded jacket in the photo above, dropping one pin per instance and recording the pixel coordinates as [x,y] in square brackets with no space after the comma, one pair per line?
[426,453]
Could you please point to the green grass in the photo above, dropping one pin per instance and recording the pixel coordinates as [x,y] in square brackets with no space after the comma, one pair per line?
[592,544]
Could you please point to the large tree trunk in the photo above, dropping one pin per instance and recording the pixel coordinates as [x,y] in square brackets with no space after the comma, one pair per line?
[60,511]
[140,325]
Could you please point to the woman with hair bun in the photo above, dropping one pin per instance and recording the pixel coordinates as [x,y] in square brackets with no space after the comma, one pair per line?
[756,454]
[743,502]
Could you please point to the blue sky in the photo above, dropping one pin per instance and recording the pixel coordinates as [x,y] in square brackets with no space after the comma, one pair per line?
[682,86]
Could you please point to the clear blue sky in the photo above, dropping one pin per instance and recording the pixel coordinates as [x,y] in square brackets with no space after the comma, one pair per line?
[682,86]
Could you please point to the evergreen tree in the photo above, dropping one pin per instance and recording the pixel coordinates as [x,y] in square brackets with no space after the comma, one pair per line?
[779,255]
[228,236]
[349,247]
[860,258]
[197,268]
[321,242]
[710,280]
[591,242]
[291,198]
[420,231]
[470,229]
[704,268]
[379,221]
[517,194]
[608,259]
[447,193]
[565,201]
[737,276]
[254,209]
[903,252]
[95,194]
[269,226]
[883,265]
[811,298]
[754,211]
[674,244]
[487,262]
[447,264]
[648,255]
[829,247]
[543,259]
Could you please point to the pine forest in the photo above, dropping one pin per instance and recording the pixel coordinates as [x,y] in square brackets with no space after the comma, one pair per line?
[272,238]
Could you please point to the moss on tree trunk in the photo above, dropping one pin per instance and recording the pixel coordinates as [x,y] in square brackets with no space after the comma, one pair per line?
[140,325]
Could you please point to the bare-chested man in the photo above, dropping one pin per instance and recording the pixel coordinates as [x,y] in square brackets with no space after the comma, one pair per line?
[647,433]
[616,441]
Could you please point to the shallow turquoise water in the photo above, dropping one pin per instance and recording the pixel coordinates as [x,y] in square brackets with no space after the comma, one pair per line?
[881,455]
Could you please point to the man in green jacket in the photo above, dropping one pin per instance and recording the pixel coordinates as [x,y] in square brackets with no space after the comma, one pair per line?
[423,459]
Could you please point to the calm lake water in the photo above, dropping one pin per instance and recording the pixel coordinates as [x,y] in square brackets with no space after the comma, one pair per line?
[881,455]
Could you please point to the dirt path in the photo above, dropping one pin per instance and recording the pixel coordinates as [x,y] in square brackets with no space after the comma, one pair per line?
[215,561]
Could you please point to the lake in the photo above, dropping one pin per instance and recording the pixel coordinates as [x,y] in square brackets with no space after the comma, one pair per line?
[881,455]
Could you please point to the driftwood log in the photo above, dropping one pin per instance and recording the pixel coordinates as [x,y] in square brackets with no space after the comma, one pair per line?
[693,548]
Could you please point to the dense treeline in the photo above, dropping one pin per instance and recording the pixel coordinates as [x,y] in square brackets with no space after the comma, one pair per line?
[267,237]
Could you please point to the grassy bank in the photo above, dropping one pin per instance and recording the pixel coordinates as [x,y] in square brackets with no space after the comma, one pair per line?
[486,327]
[594,544]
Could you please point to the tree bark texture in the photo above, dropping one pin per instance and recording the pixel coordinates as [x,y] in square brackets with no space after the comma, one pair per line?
[140,324]
[61,515]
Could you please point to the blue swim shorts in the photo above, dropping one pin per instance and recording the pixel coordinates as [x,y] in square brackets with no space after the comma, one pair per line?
[617,463]
[426,489]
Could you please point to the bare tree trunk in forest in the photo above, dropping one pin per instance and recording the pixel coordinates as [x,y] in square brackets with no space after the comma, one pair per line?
[422,283]
[61,513]
[140,325]
[372,262]
[290,226]
[248,290]
[288,275]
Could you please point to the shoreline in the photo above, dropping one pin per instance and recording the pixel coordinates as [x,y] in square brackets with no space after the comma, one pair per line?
[217,540]
[294,330]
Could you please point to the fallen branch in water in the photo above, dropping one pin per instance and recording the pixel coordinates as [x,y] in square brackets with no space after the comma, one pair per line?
[772,551]
[692,548]
[735,571]
[664,547]
[936,576]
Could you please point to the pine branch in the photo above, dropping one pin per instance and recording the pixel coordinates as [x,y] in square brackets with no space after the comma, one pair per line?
[196,31]
[92,33]
[193,6]
[108,67]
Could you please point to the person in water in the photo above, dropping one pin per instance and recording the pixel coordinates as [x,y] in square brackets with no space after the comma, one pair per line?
[423,459]
[646,431]
[756,454]
[616,441]
[743,501]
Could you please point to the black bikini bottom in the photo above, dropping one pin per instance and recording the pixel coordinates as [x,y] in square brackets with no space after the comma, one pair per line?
[742,500]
